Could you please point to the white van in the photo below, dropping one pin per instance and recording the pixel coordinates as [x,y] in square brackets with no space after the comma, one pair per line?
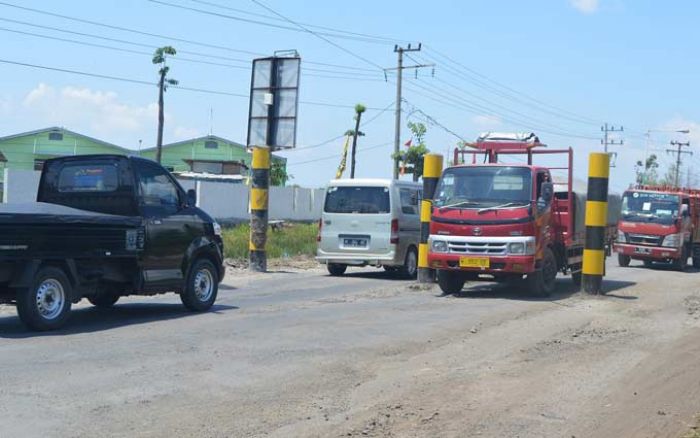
[372,222]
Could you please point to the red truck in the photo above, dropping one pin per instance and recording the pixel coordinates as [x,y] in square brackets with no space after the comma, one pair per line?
[659,224]
[506,222]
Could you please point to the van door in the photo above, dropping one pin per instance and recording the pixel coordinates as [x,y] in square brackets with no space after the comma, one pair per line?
[356,220]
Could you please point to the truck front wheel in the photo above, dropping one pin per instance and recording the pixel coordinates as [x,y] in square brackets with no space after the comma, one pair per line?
[696,256]
[45,305]
[682,262]
[623,260]
[541,282]
[202,286]
[450,282]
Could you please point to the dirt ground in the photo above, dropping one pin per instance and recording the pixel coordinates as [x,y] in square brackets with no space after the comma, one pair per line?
[297,353]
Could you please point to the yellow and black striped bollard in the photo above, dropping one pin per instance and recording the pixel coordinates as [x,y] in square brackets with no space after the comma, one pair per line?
[432,168]
[259,200]
[596,222]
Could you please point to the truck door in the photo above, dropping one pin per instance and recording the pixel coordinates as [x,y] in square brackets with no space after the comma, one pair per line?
[168,224]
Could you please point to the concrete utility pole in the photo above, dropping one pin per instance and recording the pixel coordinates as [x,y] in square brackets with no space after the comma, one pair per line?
[679,151]
[607,142]
[399,77]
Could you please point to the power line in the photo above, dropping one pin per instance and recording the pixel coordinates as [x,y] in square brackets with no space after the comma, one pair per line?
[142,82]
[431,120]
[317,35]
[329,157]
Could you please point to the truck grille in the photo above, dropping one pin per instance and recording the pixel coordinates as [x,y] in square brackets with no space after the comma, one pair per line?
[644,239]
[483,248]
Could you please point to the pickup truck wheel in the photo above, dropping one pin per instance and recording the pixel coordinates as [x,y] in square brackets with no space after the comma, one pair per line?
[336,269]
[410,266]
[104,299]
[541,282]
[202,286]
[450,282]
[45,305]
[623,260]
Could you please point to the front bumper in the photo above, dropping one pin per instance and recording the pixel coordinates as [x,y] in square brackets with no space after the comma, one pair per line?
[508,264]
[643,252]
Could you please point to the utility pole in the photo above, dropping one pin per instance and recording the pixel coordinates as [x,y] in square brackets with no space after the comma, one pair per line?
[679,151]
[399,77]
[607,142]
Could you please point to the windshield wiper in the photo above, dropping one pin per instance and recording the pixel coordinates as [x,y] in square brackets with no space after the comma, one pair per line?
[496,207]
[457,204]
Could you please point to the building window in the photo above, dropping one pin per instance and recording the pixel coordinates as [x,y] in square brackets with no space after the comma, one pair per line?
[207,167]
[211,144]
[56,136]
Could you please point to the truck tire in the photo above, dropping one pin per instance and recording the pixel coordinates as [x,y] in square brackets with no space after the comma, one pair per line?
[680,264]
[450,282]
[104,299]
[202,286]
[623,260]
[410,266]
[576,278]
[648,263]
[541,283]
[696,256]
[336,269]
[45,305]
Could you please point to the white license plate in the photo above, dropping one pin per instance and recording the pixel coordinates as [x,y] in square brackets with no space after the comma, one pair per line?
[639,250]
[354,243]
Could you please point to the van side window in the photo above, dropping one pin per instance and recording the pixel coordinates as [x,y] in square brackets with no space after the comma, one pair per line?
[410,199]
[157,190]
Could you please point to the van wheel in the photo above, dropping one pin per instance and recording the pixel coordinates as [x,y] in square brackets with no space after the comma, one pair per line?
[541,282]
[410,266]
[202,286]
[45,305]
[450,282]
[623,260]
[336,269]
[104,299]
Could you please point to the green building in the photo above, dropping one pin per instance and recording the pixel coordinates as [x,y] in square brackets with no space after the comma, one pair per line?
[204,155]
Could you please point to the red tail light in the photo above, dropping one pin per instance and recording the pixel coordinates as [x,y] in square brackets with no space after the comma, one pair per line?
[394,232]
[320,225]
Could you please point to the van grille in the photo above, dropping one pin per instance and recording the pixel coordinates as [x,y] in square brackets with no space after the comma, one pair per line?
[483,248]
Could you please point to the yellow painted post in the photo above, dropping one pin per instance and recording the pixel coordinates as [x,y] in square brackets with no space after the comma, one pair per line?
[432,169]
[596,222]
[259,201]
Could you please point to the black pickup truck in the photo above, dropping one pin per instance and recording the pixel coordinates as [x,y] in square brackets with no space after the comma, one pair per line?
[106,226]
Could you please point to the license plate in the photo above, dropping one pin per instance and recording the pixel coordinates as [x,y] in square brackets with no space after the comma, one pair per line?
[355,243]
[474,262]
[639,250]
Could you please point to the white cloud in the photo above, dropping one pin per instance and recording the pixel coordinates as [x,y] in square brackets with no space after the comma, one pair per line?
[183,133]
[585,6]
[486,122]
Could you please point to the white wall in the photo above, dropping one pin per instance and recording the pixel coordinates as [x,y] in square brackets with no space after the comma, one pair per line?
[224,201]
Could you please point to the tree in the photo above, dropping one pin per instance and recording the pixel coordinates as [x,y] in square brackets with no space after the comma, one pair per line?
[278,174]
[669,178]
[647,171]
[159,57]
[359,109]
[413,156]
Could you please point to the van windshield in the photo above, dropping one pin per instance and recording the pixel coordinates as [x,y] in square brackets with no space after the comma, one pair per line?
[357,200]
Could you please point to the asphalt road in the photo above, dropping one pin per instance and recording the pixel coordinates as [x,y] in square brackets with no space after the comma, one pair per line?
[303,354]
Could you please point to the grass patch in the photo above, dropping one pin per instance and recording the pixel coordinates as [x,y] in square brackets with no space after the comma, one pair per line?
[292,240]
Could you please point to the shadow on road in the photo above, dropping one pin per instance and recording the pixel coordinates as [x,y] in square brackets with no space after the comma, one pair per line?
[377,275]
[93,319]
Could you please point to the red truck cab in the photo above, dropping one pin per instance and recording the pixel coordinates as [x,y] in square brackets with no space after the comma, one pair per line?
[497,221]
[659,224]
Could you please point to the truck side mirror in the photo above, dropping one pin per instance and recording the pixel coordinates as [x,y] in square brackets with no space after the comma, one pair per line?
[685,212]
[191,198]
[547,191]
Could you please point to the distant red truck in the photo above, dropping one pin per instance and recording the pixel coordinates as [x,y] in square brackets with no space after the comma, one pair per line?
[508,222]
[659,224]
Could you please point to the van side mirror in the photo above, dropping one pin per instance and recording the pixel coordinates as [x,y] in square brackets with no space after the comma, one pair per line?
[547,191]
[191,198]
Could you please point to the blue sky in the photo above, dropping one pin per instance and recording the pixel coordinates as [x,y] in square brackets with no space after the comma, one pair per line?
[568,65]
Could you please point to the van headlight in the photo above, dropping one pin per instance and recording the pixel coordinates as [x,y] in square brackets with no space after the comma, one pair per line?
[621,237]
[672,240]
[439,246]
[217,228]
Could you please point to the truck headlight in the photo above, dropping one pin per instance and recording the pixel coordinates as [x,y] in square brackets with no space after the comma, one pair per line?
[439,246]
[621,237]
[516,248]
[217,228]
[672,240]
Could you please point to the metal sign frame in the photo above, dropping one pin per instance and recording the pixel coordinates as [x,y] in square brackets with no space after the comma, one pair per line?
[273,93]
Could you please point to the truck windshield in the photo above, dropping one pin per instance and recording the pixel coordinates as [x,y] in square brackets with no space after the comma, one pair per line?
[662,208]
[357,200]
[481,187]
